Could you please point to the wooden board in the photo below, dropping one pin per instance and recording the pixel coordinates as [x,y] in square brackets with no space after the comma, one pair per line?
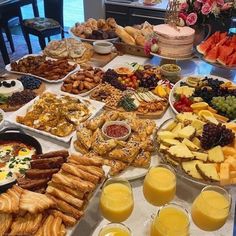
[101,60]
[130,49]
[150,115]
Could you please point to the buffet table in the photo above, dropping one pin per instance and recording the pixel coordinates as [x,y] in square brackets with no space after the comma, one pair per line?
[186,191]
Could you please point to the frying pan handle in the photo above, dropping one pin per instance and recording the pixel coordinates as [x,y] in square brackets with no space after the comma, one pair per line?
[12,129]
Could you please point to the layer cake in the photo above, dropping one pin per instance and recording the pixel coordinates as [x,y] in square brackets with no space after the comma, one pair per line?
[174,42]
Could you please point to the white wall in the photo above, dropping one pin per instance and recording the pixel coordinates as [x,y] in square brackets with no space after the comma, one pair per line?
[94,9]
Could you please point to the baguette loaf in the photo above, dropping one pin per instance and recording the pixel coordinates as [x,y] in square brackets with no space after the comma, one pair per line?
[132,31]
[125,37]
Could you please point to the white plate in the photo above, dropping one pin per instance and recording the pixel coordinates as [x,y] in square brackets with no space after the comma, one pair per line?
[171,95]
[85,93]
[130,173]
[80,94]
[8,68]
[94,108]
[91,40]
[173,58]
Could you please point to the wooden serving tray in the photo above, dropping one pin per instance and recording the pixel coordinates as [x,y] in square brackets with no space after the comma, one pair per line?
[8,108]
[130,49]
[150,115]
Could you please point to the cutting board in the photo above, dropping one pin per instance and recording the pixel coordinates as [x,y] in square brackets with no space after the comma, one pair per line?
[99,60]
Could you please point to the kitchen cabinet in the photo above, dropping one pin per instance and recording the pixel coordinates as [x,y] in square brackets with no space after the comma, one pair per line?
[119,13]
[138,16]
[128,15]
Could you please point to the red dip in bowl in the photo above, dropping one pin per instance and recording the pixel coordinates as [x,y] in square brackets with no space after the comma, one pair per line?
[116,131]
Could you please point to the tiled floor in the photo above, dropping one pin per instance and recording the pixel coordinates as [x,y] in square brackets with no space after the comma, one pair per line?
[73,11]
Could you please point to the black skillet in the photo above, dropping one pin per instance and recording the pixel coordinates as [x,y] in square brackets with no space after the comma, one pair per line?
[16,134]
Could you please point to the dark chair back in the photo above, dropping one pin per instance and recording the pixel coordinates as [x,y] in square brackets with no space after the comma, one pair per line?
[54,9]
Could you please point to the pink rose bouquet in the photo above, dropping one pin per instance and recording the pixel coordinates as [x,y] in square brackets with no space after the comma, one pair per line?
[194,12]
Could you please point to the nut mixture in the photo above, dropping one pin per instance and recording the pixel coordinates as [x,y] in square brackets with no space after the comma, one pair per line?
[108,94]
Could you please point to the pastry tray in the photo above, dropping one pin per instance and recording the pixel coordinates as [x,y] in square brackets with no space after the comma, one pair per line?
[8,68]
[94,107]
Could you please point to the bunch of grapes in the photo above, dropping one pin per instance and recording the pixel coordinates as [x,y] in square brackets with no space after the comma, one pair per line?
[213,89]
[149,81]
[111,77]
[213,83]
[214,135]
[225,105]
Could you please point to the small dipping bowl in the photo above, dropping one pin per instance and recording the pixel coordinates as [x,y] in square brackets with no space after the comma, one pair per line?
[110,128]
[171,72]
[102,47]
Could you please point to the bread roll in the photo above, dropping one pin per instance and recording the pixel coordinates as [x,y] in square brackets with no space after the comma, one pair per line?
[140,40]
[125,37]
[132,31]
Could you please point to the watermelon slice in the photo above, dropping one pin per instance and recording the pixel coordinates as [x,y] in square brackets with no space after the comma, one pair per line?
[225,41]
[231,61]
[233,40]
[223,35]
[217,37]
[224,53]
[213,54]
[204,47]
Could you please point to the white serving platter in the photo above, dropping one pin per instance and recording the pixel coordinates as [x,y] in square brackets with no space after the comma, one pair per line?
[94,107]
[81,94]
[91,40]
[9,69]
[171,95]
[130,173]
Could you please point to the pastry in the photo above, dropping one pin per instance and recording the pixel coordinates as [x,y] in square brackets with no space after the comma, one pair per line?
[5,223]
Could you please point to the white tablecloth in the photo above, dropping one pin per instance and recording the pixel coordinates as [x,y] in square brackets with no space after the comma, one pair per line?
[186,191]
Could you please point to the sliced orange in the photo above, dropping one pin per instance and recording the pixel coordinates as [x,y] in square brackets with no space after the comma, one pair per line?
[212,110]
[199,106]
[205,113]
[220,118]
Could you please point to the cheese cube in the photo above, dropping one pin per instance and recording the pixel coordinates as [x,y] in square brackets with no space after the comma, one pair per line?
[232,174]
[224,174]
[232,163]
[229,151]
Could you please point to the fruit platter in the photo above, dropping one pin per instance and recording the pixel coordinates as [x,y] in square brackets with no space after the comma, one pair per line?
[120,140]
[199,150]
[219,50]
[213,97]
[134,88]
[14,93]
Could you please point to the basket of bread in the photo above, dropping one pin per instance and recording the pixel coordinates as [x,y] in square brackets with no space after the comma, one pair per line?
[133,38]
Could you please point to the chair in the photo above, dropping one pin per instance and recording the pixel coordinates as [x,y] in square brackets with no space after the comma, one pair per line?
[42,27]
[3,49]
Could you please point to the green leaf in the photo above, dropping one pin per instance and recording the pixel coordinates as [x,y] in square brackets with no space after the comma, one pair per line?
[9,174]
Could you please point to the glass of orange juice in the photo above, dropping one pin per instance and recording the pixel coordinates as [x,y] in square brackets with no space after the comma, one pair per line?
[171,220]
[115,229]
[211,208]
[116,201]
[159,185]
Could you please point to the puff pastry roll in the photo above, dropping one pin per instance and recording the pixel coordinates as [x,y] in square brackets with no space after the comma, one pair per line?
[84,135]
[78,203]
[74,170]
[66,208]
[5,223]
